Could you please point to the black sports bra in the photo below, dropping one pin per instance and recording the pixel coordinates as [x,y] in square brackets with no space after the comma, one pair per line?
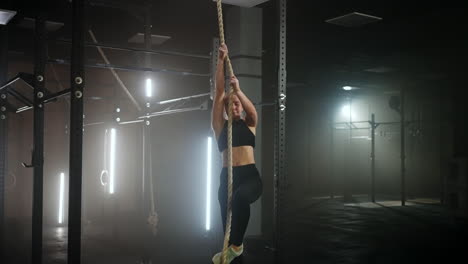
[241,135]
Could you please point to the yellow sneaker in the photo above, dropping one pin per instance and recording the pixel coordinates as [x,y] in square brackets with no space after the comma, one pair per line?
[231,255]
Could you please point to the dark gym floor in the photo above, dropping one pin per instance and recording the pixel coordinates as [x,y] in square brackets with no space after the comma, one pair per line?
[320,230]
[328,231]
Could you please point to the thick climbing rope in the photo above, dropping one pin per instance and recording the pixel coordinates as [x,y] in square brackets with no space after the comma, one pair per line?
[227,234]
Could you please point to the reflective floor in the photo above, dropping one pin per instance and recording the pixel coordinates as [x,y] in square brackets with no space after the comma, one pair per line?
[318,230]
[329,231]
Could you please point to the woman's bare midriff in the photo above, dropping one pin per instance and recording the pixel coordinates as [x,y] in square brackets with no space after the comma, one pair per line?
[242,155]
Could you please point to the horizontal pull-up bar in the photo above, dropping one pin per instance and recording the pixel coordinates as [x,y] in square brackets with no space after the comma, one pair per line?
[141,119]
[24,108]
[52,98]
[130,68]
[26,77]
[182,98]
[146,51]
[55,96]
[167,112]
[376,124]
[10,82]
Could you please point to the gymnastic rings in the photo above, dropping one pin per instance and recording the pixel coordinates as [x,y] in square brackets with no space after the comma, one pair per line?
[104,173]
[12,185]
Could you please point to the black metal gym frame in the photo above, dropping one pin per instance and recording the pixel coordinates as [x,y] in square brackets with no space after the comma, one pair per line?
[47,96]
[3,131]
[76,124]
[7,89]
[373,126]
[280,132]
[40,56]
[37,82]
[147,149]
[139,12]
[76,131]
[26,77]
[402,147]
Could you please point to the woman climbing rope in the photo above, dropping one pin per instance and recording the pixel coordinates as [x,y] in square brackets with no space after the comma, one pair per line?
[246,185]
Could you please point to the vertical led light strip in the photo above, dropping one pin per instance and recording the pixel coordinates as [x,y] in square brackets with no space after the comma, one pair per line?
[149,88]
[112,160]
[208,186]
[61,195]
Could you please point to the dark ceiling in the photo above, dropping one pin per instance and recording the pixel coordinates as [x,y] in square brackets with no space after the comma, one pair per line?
[420,43]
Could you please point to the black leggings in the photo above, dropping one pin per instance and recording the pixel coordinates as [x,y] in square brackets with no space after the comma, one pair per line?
[246,189]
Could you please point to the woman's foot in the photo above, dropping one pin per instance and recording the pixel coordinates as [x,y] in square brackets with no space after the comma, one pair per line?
[232,253]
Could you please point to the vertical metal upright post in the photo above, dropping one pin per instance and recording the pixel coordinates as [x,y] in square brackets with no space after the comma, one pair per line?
[280,131]
[402,155]
[441,148]
[373,127]
[150,170]
[76,131]
[143,170]
[347,173]
[332,146]
[40,56]
[3,130]
[146,131]
[213,65]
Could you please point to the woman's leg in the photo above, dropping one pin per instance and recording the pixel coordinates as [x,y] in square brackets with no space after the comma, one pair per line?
[222,199]
[247,188]
[248,191]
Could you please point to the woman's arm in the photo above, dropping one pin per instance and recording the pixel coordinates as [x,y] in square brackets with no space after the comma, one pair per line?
[251,113]
[217,118]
